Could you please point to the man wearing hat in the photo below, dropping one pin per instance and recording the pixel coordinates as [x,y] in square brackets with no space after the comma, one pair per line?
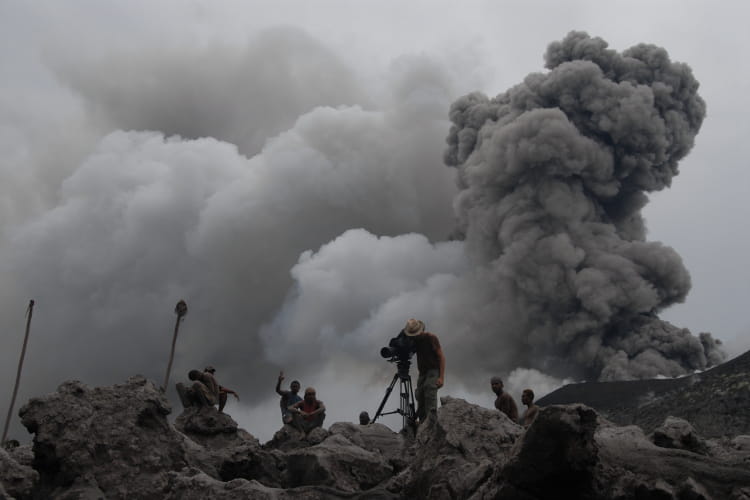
[431,365]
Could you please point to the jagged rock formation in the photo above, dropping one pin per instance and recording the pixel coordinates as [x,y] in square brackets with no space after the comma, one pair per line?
[116,442]
[715,402]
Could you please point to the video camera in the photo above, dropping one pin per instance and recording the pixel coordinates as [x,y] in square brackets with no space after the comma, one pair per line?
[400,349]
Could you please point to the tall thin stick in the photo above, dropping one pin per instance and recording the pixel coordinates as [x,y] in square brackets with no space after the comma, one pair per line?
[180,310]
[29,311]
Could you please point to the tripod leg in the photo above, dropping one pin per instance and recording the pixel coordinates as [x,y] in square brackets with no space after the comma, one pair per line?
[407,402]
[412,405]
[385,398]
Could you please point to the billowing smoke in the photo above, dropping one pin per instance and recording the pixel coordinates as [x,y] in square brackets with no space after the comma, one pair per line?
[304,213]
[553,176]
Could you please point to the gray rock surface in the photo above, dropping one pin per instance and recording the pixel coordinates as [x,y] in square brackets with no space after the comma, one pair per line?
[572,449]
[678,433]
[16,479]
[116,442]
[113,439]
[456,450]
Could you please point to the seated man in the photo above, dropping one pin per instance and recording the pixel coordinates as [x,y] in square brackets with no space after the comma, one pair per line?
[308,413]
[203,392]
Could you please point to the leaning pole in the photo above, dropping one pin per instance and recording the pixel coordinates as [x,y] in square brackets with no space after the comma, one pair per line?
[29,311]
[180,310]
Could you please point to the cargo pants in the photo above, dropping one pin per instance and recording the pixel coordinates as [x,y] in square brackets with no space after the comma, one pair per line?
[426,393]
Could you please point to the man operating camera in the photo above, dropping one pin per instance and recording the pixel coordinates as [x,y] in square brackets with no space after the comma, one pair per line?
[431,365]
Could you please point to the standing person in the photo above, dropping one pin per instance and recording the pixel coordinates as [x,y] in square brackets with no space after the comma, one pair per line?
[431,365]
[308,413]
[223,391]
[288,398]
[527,398]
[504,402]
[203,392]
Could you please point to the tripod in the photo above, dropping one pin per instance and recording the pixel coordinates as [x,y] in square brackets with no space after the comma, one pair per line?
[406,405]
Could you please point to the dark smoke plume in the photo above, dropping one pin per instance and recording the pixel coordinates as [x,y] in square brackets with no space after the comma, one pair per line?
[553,176]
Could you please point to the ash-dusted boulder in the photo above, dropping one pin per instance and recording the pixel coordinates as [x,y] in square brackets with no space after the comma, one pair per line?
[16,479]
[339,463]
[678,433]
[556,453]
[290,438]
[114,440]
[225,452]
[377,438]
[205,425]
[456,451]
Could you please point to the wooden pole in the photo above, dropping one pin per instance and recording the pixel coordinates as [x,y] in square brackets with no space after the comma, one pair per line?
[180,310]
[29,311]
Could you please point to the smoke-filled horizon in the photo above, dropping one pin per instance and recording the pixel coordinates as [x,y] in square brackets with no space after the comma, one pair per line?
[306,204]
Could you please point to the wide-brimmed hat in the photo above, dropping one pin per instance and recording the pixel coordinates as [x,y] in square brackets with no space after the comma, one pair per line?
[413,327]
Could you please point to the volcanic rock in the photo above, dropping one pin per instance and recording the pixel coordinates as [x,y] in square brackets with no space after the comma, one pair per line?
[16,479]
[116,443]
[678,433]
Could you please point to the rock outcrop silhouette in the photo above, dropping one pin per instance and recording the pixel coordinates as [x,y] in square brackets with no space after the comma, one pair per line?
[116,442]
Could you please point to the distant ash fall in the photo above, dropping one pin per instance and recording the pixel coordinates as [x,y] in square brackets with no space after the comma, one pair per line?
[553,175]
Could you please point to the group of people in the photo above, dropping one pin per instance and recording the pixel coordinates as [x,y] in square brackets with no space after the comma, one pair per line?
[308,412]
[505,403]
[303,413]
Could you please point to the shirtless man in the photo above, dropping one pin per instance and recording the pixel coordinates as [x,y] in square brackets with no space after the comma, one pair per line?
[527,398]
[203,392]
[223,391]
[504,402]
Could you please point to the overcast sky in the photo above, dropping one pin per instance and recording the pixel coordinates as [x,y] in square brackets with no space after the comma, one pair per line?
[280,166]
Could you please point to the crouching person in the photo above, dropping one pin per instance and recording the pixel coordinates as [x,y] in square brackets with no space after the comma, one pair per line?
[203,392]
[308,413]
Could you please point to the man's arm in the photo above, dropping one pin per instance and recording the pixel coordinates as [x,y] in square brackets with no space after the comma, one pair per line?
[320,409]
[441,357]
[278,385]
[229,391]
[296,406]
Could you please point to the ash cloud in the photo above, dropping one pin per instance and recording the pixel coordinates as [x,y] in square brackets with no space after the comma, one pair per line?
[553,176]
[304,214]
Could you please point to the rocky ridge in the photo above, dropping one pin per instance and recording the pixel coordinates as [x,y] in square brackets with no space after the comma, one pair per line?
[116,442]
[716,401]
